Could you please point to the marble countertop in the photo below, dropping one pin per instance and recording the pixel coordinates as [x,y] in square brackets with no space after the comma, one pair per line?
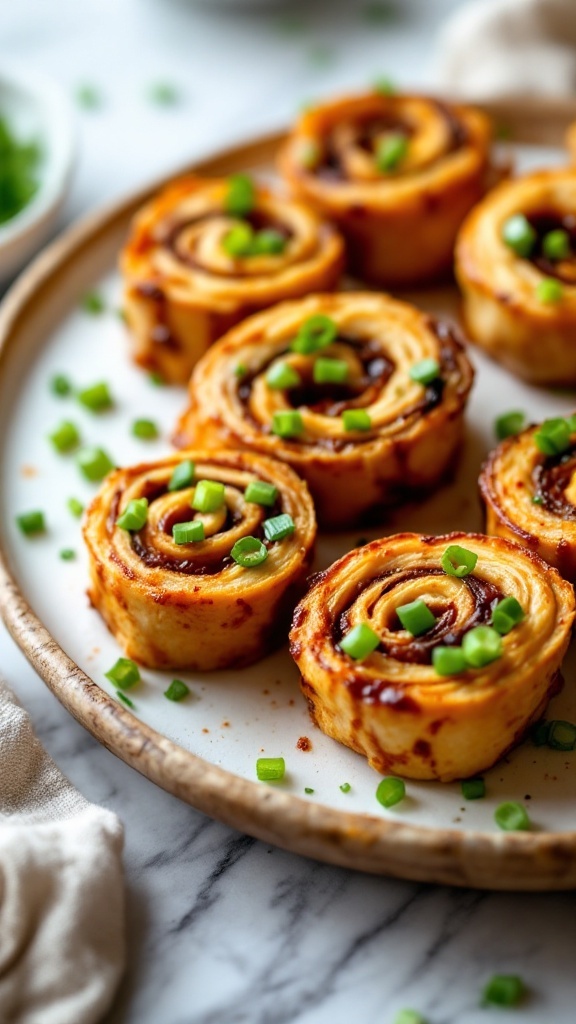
[223,929]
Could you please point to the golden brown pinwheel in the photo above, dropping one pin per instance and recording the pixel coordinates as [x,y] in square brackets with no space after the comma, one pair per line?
[196,561]
[530,494]
[516,266]
[362,395]
[204,254]
[429,674]
[397,174]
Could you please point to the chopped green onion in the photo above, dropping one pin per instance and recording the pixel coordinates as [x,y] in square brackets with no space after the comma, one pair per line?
[549,291]
[409,1017]
[384,85]
[316,333]
[88,97]
[67,554]
[457,561]
[561,735]
[239,240]
[269,242]
[448,661]
[75,507]
[156,379]
[163,93]
[20,162]
[473,789]
[145,430]
[65,437]
[31,522]
[240,198]
[359,642]
[249,552]
[425,371]
[282,376]
[279,527]
[124,673]
[134,515]
[391,152]
[182,476]
[509,424]
[307,789]
[94,463]
[330,371]
[504,990]
[60,385]
[512,817]
[481,646]
[261,492]
[96,398]
[188,533]
[553,437]
[177,690]
[519,235]
[416,617]
[345,787]
[270,769]
[125,700]
[556,245]
[539,734]
[507,614]
[537,499]
[240,370]
[390,791]
[209,496]
[93,303]
[287,423]
[356,419]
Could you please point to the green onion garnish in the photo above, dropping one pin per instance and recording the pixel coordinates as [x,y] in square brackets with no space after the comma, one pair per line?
[384,85]
[509,424]
[188,533]
[553,437]
[240,198]
[60,385]
[270,769]
[88,97]
[345,787]
[549,291]
[96,398]
[261,492]
[504,990]
[519,235]
[20,163]
[287,423]
[31,522]
[426,371]
[556,245]
[269,242]
[249,552]
[448,661]
[457,561]
[67,554]
[308,789]
[93,303]
[356,419]
[473,789]
[177,690]
[279,527]
[182,476]
[209,496]
[507,614]
[316,333]
[239,240]
[537,499]
[539,734]
[156,379]
[416,617]
[164,94]
[125,700]
[481,646]
[65,437]
[240,370]
[512,817]
[561,735]
[94,463]
[359,642]
[282,376]
[409,1017]
[145,430]
[391,152]
[134,515]
[75,507]
[124,673]
[390,791]
[330,371]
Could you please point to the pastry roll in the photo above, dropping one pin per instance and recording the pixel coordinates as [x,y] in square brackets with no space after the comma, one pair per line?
[362,395]
[528,485]
[516,266]
[397,174]
[432,655]
[197,561]
[203,254]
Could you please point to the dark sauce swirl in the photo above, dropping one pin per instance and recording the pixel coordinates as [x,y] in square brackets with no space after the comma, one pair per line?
[551,478]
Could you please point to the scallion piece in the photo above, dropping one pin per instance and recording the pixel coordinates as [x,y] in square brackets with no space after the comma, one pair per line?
[75,507]
[164,94]
[316,333]
[188,533]
[65,437]
[556,245]
[345,787]
[448,661]
[330,371]
[359,642]
[356,419]
[177,690]
[561,735]
[504,990]
[93,303]
[261,492]
[240,370]
[239,240]
[182,476]
[249,552]
[384,85]
[481,646]
[125,700]
[60,385]
[458,561]
[67,554]
[416,617]
[426,371]
[31,522]
[409,1017]
[473,789]
[507,614]
[537,499]
[209,496]
[278,527]
[512,817]
[269,242]
[156,379]
[287,423]
[509,424]
[134,515]
[240,197]
[96,398]
[390,791]
[539,734]
[124,673]
[281,376]
[270,769]
[145,430]
[553,437]
[519,235]
[94,463]
[391,151]
[88,97]
[308,789]
[549,291]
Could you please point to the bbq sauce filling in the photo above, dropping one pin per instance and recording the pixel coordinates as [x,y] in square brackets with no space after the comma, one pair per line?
[543,223]
[551,479]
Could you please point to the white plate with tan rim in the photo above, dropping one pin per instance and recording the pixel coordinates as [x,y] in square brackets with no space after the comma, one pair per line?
[204,749]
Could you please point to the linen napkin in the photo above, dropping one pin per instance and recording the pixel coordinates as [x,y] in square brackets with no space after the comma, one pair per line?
[61,887]
[492,48]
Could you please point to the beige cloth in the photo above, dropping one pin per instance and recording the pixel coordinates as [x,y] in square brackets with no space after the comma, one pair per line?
[61,887]
[492,48]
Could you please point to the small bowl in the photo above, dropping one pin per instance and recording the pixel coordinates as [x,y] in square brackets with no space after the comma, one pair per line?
[38,110]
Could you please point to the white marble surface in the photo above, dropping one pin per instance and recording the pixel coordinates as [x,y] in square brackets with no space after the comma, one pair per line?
[222,929]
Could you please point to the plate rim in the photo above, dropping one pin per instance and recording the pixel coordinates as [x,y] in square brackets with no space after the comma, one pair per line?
[366,842]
